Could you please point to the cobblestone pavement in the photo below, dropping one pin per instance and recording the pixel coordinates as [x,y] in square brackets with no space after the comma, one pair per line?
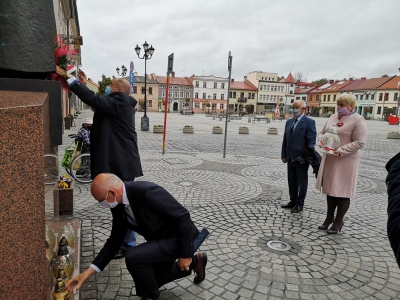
[238,199]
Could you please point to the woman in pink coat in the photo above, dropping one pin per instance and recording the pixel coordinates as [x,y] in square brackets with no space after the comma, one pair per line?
[337,176]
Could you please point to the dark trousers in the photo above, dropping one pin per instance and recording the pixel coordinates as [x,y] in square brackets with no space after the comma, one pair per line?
[298,181]
[151,268]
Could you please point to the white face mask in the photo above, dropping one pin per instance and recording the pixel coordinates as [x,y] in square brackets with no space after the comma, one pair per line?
[296,112]
[105,204]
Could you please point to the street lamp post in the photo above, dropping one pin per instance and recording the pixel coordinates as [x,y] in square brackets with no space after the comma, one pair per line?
[148,53]
[123,71]
[208,107]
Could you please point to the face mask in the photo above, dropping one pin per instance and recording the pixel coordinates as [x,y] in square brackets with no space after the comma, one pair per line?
[342,111]
[296,112]
[107,90]
[105,204]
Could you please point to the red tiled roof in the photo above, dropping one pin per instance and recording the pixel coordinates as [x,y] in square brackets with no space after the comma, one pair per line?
[320,88]
[289,78]
[391,84]
[353,85]
[337,86]
[373,83]
[300,90]
[242,85]
[174,80]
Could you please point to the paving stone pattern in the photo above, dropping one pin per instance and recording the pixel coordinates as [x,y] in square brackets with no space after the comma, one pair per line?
[238,199]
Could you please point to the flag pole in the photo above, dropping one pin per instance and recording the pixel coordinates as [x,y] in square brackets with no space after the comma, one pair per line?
[169,71]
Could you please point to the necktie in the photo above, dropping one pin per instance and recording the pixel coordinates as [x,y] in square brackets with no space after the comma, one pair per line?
[129,215]
[292,128]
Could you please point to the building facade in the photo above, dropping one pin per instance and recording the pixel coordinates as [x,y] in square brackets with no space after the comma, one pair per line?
[138,92]
[210,93]
[180,93]
[242,96]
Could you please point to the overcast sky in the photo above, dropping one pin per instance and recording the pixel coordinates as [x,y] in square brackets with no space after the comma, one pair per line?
[320,38]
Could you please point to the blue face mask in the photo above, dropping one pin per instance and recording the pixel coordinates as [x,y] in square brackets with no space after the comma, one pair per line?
[107,90]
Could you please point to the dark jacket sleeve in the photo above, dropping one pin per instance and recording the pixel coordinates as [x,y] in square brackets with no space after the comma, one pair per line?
[172,212]
[107,104]
[284,142]
[311,133]
[393,190]
[114,242]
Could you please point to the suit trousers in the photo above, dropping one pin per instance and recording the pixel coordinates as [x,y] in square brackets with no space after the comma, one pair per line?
[151,268]
[298,181]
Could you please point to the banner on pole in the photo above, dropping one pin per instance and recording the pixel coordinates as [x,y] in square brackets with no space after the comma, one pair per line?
[131,79]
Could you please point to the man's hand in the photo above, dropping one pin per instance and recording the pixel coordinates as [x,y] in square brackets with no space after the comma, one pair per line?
[60,71]
[284,160]
[82,77]
[336,153]
[79,280]
[184,263]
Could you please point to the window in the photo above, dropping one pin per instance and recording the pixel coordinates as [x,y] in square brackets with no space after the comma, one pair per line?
[372,98]
[303,98]
[396,97]
[252,95]
[150,103]
[297,98]
[366,97]
[361,97]
[291,92]
[380,99]
[204,96]
[324,98]
[356,97]
[291,101]
[379,110]
[267,97]
[222,85]
[310,97]
[267,88]
[150,91]
[261,87]
[215,85]
[234,95]
[197,84]
[291,85]
[176,95]
[196,95]
[135,89]
[142,90]
[187,95]
[329,98]
[334,98]
[214,96]
[197,105]
[204,84]
[260,97]
[221,106]
[181,94]
[222,96]
[163,93]
[317,97]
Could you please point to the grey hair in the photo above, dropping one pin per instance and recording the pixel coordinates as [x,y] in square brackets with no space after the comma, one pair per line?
[350,99]
[302,103]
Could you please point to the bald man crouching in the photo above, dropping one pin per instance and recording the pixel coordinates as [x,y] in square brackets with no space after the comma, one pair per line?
[151,211]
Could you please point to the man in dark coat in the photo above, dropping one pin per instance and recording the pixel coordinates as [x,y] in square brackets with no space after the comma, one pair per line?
[147,208]
[393,190]
[300,133]
[113,138]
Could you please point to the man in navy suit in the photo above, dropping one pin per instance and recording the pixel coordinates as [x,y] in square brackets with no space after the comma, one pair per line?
[300,132]
[151,211]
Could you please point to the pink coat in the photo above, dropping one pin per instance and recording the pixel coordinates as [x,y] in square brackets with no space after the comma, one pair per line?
[340,173]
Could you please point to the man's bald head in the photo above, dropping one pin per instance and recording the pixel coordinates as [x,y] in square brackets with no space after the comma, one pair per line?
[299,104]
[104,183]
[120,85]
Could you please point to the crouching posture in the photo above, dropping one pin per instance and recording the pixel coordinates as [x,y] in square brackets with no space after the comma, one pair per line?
[148,209]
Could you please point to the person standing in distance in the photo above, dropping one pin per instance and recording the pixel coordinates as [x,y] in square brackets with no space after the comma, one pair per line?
[113,138]
[300,133]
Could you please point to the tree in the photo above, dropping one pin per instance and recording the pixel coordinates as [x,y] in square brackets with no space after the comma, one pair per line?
[320,81]
[187,100]
[385,75]
[105,81]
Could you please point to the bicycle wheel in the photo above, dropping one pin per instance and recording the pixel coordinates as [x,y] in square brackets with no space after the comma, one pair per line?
[51,170]
[80,168]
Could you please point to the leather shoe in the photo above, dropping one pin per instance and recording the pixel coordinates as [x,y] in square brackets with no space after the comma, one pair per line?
[200,269]
[120,254]
[297,209]
[291,204]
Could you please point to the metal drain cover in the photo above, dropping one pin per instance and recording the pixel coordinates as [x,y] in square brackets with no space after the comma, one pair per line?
[279,246]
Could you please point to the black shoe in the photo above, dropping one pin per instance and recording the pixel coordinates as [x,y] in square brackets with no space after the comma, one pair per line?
[297,209]
[120,254]
[323,227]
[200,269]
[291,204]
[331,231]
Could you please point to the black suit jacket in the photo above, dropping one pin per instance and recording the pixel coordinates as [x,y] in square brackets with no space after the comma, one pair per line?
[113,139]
[393,210]
[159,217]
